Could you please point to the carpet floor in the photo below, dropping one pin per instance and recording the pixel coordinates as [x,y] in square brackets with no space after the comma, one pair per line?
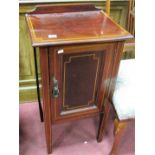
[71,138]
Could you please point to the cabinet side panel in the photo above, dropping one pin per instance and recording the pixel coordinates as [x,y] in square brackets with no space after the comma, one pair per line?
[46,96]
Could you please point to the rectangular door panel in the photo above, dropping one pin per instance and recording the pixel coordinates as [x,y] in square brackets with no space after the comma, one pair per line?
[80,78]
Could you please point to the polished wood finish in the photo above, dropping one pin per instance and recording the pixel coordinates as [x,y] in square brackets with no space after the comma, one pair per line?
[83,26]
[104,120]
[46,97]
[27,84]
[80,51]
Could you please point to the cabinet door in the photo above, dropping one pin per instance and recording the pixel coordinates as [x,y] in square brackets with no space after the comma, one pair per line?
[79,77]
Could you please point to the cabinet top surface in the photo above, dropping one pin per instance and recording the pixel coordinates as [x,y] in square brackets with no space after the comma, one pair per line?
[66,24]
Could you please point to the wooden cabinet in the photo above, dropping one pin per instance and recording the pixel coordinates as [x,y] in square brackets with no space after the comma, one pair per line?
[78,73]
[27,84]
[80,50]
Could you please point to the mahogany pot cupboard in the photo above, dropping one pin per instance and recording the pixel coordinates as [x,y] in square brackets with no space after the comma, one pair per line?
[80,50]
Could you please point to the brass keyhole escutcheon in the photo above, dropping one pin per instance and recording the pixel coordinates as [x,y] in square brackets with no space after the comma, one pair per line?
[55,90]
